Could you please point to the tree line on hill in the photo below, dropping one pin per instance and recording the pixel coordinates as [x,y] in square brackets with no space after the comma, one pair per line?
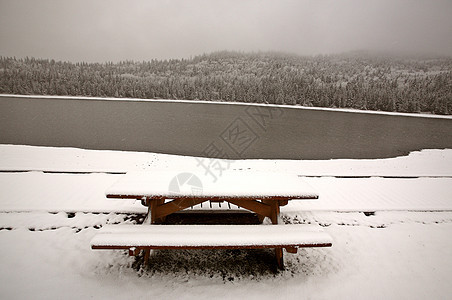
[351,80]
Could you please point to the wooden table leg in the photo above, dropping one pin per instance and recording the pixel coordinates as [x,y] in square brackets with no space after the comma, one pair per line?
[274,218]
[147,220]
[153,206]
[279,258]
[147,253]
[152,212]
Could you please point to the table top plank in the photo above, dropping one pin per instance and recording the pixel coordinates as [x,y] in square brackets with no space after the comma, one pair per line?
[232,184]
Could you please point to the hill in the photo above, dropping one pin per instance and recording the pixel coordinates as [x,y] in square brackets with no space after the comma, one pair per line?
[353,80]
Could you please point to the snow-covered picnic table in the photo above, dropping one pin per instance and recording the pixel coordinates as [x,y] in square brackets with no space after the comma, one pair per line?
[167,192]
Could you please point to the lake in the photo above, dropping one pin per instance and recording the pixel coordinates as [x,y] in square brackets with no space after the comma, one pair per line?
[216,130]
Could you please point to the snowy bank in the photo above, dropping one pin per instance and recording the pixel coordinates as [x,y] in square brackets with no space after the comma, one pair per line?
[430,190]
[31,158]
[401,251]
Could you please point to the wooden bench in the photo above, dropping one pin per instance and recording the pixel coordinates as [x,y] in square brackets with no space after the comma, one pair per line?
[210,237]
[261,193]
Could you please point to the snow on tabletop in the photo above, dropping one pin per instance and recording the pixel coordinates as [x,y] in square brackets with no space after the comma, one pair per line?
[229,184]
[210,235]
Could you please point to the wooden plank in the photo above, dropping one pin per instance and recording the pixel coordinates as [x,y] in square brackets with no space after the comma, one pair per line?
[147,254]
[283,202]
[274,217]
[168,208]
[212,198]
[153,210]
[157,247]
[164,239]
[119,196]
[134,251]
[292,250]
[238,184]
[253,205]
[210,236]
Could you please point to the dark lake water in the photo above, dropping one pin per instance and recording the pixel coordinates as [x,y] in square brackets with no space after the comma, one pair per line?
[216,130]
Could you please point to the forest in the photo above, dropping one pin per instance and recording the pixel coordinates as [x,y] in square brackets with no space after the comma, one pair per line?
[356,80]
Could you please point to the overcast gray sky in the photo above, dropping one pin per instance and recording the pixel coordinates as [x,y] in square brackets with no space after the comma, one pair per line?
[114,30]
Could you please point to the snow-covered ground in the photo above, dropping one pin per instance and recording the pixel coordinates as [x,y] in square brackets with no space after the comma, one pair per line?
[403,250]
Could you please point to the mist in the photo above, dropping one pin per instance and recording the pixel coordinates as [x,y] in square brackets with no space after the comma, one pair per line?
[115,30]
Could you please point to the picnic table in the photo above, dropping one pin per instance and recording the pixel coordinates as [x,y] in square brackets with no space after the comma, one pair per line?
[168,192]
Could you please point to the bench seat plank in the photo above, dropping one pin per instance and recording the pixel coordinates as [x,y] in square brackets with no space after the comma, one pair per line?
[209,236]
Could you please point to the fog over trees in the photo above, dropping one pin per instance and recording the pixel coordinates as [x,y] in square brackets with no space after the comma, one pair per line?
[352,80]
